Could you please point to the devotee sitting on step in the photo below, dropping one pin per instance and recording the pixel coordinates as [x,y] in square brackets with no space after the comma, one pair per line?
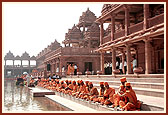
[101,93]
[131,103]
[82,90]
[93,93]
[78,87]
[118,96]
[57,85]
[74,90]
[69,88]
[108,95]
[62,86]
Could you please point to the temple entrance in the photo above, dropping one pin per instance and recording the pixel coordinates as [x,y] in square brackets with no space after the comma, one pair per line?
[88,66]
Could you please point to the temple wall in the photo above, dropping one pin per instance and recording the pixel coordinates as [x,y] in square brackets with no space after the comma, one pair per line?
[80,61]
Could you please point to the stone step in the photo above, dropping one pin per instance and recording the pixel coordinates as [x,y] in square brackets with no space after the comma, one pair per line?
[150,80]
[149,103]
[133,84]
[143,88]
[141,91]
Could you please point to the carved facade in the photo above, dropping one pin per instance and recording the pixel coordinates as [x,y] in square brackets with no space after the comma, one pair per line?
[134,30]
[18,69]
[80,44]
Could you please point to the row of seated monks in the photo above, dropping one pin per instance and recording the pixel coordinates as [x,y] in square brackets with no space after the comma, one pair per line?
[125,97]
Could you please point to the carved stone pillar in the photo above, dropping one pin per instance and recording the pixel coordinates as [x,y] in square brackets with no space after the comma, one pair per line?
[127,20]
[147,57]
[102,62]
[113,60]
[146,16]
[112,27]
[83,27]
[45,70]
[101,33]
[123,58]
[128,58]
[60,67]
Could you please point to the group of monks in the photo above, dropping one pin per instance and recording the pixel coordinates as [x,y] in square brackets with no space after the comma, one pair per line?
[125,97]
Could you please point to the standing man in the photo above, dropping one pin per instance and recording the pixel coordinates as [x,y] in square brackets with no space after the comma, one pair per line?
[125,66]
[120,67]
[75,69]
[134,62]
[28,79]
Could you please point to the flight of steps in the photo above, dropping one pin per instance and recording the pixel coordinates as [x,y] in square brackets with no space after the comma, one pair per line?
[148,90]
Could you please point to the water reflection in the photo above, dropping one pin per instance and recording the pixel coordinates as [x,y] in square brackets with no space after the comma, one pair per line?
[18,98]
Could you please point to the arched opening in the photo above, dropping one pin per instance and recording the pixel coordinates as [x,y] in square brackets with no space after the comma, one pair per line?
[25,63]
[17,63]
[32,63]
[9,62]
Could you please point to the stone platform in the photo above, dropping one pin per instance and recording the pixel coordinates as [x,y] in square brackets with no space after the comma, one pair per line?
[70,104]
[38,92]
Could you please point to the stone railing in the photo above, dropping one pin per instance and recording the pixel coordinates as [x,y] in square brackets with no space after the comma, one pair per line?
[57,51]
[119,34]
[136,27]
[77,51]
[107,38]
[109,8]
[156,20]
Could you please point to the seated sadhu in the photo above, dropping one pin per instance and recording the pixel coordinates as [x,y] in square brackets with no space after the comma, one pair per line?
[119,95]
[69,88]
[77,90]
[46,84]
[82,90]
[62,86]
[101,93]
[108,94]
[87,89]
[53,85]
[93,93]
[74,89]
[87,86]
[57,85]
[131,103]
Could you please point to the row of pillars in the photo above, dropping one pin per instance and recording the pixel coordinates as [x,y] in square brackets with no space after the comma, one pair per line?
[127,23]
[21,63]
[129,57]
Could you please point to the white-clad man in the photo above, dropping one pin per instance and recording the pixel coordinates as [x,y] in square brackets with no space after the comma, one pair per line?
[121,67]
[134,62]
[28,79]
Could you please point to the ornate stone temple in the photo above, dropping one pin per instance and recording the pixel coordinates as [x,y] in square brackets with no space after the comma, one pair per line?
[18,69]
[80,44]
[135,30]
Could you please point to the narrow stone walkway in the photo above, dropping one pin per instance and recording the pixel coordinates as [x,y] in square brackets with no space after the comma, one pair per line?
[70,104]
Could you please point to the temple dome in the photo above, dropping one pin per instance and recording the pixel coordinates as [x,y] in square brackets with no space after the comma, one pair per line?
[17,57]
[25,55]
[87,17]
[9,55]
[74,33]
